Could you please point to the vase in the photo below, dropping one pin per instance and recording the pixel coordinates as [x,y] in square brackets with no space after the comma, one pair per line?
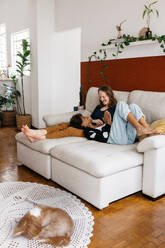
[148,33]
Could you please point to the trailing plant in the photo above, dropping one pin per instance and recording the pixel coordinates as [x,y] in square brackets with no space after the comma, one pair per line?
[121,43]
[148,11]
[23,64]
[80,96]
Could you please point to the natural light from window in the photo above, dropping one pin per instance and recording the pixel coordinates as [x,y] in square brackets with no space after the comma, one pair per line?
[16,41]
[3,47]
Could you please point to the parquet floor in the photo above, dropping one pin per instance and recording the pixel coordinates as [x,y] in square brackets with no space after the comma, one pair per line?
[132,222]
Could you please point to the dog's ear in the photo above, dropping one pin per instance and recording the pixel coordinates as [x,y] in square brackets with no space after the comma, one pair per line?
[20,229]
[18,232]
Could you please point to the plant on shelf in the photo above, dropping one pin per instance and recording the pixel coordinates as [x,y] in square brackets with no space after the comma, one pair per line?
[148,11]
[22,65]
[125,40]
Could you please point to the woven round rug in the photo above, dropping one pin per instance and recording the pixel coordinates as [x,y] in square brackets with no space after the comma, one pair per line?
[16,198]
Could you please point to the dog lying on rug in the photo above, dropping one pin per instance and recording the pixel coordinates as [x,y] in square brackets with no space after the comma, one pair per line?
[53,225]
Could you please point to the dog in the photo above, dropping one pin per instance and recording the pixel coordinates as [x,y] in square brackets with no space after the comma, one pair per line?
[53,225]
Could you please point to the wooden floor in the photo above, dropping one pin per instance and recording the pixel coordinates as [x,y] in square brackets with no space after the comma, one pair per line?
[133,222]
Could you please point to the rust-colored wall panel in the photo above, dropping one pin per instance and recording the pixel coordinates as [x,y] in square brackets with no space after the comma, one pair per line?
[147,73]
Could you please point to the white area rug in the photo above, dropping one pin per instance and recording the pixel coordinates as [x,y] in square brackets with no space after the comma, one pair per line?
[14,204]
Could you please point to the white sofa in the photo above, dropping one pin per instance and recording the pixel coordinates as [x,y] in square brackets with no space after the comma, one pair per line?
[97,172]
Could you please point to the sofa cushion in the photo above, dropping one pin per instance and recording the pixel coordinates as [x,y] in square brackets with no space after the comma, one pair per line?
[92,99]
[52,120]
[44,146]
[98,159]
[151,103]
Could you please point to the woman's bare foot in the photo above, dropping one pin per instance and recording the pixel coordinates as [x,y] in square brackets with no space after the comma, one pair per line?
[33,135]
[146,130]
[107,118]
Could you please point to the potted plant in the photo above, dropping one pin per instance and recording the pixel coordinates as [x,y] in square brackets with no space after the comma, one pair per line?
[8,105]
[148,11]
[22,118]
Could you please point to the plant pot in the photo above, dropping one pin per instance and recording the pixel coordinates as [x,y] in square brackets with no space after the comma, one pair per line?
[23,120]
[8,118]
[148,33]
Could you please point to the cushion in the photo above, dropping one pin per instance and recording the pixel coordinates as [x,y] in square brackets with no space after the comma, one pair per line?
[92,99]
[159,125]
[52,120]
[151,103]
[98,159]
[44,146]
[153,142]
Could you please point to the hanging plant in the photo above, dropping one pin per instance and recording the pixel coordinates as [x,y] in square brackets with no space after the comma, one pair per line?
[121,43]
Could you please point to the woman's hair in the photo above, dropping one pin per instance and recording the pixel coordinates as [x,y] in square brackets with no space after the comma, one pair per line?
[110,94]
[76,121]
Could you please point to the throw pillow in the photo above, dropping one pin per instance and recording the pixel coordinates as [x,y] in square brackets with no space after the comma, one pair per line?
[159,125]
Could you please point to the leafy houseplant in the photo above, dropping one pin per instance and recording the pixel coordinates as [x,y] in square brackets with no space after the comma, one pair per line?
[8,105]
[148,11]
[22,64]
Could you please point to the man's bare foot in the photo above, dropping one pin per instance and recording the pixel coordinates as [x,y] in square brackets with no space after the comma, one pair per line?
[146,130]
[107,118]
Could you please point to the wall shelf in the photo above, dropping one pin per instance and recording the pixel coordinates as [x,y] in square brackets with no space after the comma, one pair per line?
[6,79]
[136,43]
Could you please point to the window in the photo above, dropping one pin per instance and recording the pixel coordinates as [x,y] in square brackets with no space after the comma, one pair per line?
[16,41]
[3,47]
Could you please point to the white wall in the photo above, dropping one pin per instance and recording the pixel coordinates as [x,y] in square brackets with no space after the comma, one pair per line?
[98,19]
[53,86]
[66,66]
[16,16]
[58,69]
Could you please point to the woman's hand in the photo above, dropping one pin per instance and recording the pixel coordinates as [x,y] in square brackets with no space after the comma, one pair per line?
[98,122]
[107,118]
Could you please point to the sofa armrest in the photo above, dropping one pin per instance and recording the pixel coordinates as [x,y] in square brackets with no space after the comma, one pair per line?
[52,120]
[150,143]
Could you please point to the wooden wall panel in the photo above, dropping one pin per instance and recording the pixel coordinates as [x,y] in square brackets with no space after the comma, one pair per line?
[146,73]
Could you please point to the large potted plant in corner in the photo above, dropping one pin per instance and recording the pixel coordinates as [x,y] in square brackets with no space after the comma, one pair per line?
[22,118]
[8,98]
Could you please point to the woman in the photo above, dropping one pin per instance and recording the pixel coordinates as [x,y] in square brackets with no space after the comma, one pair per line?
[127,121]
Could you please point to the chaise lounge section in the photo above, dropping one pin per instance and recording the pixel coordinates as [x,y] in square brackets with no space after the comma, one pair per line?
[97,172]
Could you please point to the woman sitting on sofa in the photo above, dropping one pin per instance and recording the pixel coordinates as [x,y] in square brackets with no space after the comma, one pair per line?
[126,122]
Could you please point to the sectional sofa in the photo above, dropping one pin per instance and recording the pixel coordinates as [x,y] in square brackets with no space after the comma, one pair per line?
[101,173]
